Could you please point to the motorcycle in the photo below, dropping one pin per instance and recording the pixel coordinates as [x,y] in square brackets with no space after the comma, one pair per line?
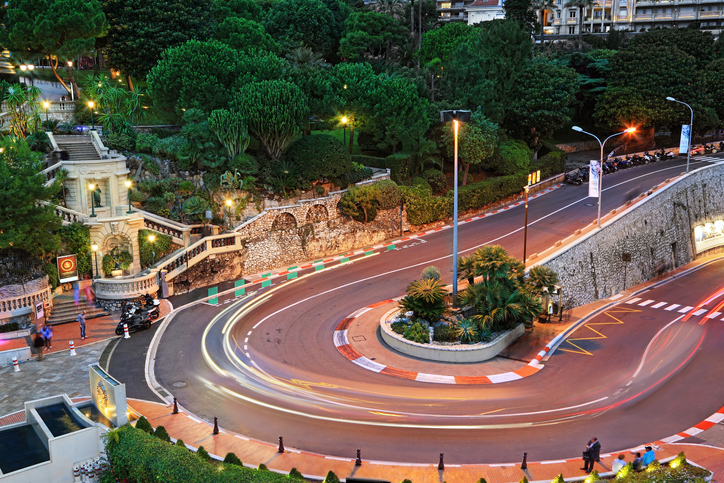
[147,305]
[572,178]
[647,157]
[662,155]
[584,172]
[608,167]
[152,304]
[135,323]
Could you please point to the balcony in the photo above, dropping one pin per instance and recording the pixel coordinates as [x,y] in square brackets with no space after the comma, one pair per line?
[710,15]
[643,17]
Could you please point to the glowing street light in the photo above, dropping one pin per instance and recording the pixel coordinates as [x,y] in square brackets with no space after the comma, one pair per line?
[94,247]
[91,105]
[128,185]
[92,188]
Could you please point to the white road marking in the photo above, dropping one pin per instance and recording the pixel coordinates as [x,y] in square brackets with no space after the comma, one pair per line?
[699,312]
[672,307]
[616,297]
[644,304]
[633,300]
[368,364]
[660,304]
[685,309]
[421,377]
[712,315]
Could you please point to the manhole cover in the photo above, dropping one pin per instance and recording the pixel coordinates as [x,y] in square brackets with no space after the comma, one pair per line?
[359,338]
[180,384]
[590,204]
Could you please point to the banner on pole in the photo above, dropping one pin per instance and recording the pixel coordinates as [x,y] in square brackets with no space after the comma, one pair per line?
[685,136]
[67,268]
[594,179]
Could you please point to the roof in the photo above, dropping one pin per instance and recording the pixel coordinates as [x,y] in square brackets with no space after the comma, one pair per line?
[484,3]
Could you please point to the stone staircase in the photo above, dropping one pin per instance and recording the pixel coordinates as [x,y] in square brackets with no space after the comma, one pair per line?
[65,311]
[80,148]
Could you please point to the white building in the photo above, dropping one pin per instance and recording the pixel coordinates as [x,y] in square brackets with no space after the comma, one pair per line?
[484,10]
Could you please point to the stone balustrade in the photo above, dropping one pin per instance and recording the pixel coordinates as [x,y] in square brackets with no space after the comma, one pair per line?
[98,144]
[22,304]
[180,232]
[51,172]
[125,288]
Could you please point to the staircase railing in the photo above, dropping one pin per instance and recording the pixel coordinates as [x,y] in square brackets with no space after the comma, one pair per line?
[179,232]
[52,140]
[98,144]
[51,172]
[67,215]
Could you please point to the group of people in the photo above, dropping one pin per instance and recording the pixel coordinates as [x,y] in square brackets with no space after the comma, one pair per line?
[592,454]
[43,341]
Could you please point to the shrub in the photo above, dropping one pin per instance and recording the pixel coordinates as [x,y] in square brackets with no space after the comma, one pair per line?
[444,333]
[155,204]
[466,330]
[51,270]
[125,260]
[186,187]
[514,157]
[180,442]
[436,180]
[357,174]
[146,142]
[398,327]
[551,164]
[169,147]
[423,208]
[162,434]
[523,480]
[144,425]
[319,156]
[121,141]
[232,459]
[483,480]
[399,164]
[9,327]
[417,333]
[431,273]
[262,467]
[387,194]
[151,165]
[195,207]
[482,193]
[203,454]
[331,478]
[162,245]
[294,473]
[137,196]
[369,161]
[426,298]
[359,203]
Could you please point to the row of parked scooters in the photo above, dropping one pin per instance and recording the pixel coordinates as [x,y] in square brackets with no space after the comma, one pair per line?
[707,149]
[138,314]
[611,165]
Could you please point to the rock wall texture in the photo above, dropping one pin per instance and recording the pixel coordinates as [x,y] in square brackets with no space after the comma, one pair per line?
[647,240]
[18,290]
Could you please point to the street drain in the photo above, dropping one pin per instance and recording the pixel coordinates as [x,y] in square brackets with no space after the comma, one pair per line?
[180,384]
[590,204]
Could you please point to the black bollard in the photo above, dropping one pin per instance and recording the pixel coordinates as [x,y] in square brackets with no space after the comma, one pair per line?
[441,465]
[524,464]
[281,445]
[216,425]
[175,405]
[358,461]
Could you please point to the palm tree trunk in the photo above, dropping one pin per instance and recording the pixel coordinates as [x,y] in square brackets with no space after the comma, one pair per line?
[542,28]
[412,20]
[580,29]
[130,83]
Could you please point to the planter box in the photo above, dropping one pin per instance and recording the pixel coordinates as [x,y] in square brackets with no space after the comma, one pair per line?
[16,334]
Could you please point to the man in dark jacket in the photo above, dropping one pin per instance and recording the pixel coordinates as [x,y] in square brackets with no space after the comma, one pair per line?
[591,454]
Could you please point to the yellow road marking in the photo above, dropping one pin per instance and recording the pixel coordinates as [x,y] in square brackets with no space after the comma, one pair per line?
[599,335]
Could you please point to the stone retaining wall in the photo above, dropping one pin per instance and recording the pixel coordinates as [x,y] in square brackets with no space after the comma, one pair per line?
[656,234]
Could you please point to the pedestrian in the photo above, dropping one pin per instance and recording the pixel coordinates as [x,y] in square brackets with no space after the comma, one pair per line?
[638,463]
[62,102]
[618,463]
[81,322]
[38,344]
[48,336]
[591,454]
[648,456]
[89,299]
[76,293]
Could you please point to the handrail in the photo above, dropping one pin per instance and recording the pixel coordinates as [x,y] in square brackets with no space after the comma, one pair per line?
[51,171]
[23,303]
[98,144]
[179,231]
[66,214]
[51,138]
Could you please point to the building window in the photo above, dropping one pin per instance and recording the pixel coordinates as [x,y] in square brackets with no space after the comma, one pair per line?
[445,5]
[571,14]
[558,14]
[571,30]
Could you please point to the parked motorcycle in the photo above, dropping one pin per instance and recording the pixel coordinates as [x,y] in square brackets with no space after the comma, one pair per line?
[135,323]
[572,178]
[584,173]
[662,155]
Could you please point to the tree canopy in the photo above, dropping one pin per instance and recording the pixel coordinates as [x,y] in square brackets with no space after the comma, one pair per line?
[242,34]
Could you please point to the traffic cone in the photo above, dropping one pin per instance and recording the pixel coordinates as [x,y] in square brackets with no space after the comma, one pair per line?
[125,332]
[15,364]
[72,348]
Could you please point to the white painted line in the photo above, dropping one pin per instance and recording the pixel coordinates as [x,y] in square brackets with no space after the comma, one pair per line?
[246,340]
[615,297]
[336,458]
[693,431]
[685,309]
[672,307]
[421,377]
[241,437]
[644,304]
[633,300]
[672,439]
[699,312]
[368,364]
[504,377]
[245,348]
[249,333]
[660,304]
[340,338]
[500,465]
[712,315]
[247,355]
[715,418]
[556,462]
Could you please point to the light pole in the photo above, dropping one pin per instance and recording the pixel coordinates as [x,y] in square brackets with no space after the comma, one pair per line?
[31,67]
[344,130]
[91,104]
[23,68]
[533,179]
[95,252]
[691,130]
[151,238]
[228,211]
[128,185]
[46,105]
[600,174]
[92,188]
[72,98]
[456,117]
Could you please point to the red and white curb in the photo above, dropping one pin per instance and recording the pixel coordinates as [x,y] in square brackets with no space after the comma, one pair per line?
[341,342]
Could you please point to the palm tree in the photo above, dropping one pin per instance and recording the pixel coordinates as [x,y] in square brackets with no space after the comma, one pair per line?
[304,57]
[581,5]
[543,6]
[540,277]
[393,8]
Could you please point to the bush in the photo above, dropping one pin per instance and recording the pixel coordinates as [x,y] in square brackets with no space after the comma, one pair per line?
[398,327]
[436,180]
[137,196]
[180,442]
[426,298]
[262,467]
[151,165]
[121,141]
[417,333]
[359,203]
[369,161]
[331,478]
[162,434]
[9,327]
[431,273]
[203,454]
[294,473]
[444,333]
[232,459]
[169,147]
[514,157]
[482,193]
[387,194]
[319,156]
[51,270]
[551,164]
[125,260]
[399,167]
[357,174]
[162,245]
[423,208]
[146,142]
[144,425]
[422,184]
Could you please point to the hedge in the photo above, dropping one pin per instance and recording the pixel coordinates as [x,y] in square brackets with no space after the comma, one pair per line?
[369,161]
[551,164]
[138,456]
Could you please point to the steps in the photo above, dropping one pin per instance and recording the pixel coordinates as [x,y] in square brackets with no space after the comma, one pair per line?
[80,148]
[65,311]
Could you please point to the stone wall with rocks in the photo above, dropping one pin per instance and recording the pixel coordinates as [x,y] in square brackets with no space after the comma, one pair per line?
[644,242]
[222,267]
[18,290]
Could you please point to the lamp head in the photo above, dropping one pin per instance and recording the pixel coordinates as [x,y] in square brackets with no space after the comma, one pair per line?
[46,104]
[91,186]
[94,246]
[344,119]
[31,67]
[128,183]
[70,63]
[23,67]
[670,98]
[151,238]
[228,202]
[630,130]
[577,129]
[91,104]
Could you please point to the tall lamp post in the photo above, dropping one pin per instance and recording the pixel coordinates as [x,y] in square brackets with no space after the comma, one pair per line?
[151,238]
[92,188]
[31,67]
[600,174]
[344,130]
[228,211]
[128,185]
[533,179]
[95,252]
[23,68]
[92,104]
[72,98]
[456,116]
[46,105]
[691,130]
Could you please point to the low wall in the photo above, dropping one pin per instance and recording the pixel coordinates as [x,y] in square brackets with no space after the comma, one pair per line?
[462,353]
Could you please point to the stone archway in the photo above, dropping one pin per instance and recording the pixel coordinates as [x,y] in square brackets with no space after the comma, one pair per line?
[317,213]
[284,221]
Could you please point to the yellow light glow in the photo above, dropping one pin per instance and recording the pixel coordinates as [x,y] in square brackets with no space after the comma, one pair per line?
[344,119]
[630,130]
[91,104]
[31,67]
[128,183]
[228,202]
[23,67]
[151,238]
[91,186]
[46,104]
[345,86]
[70,63]
[94,246]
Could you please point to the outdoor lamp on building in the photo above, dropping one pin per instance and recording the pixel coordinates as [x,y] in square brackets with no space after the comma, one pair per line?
[95,252]
[46,105]
[128,185]
[91,105]
[92,188]
[344,130]
[151,238]
[31,67]
[228,210]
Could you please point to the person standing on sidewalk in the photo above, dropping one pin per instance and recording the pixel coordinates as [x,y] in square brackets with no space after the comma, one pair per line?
[48,336]
[591,454]
[38,344]
[81,322]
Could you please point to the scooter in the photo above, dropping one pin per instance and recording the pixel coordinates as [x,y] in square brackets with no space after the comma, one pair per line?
[135,323]
[662,155]
[584,172]
[572,178]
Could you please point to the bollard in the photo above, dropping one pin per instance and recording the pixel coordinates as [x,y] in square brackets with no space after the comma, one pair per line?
[216,425]
[72,348]
[175,405]
[125,332]
[76,474]
[358,461]
[524,464]
[15,364]
[281,445]
[441,465]
[82,473]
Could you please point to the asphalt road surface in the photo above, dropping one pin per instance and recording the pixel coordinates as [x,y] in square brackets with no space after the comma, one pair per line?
[266,364]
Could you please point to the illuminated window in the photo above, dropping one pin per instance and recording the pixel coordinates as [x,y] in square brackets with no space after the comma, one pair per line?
[445,5]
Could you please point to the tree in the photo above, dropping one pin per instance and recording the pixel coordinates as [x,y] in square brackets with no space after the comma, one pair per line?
[242,34]
[697,43]
[359,203]
[316,23]
[541,99]
[543,7]
[232,131]
[25,223]
[476,142]
[714,78]
[119,110]
[581,5]
[355,86]
[319,156]
[522,12]
[247,9]
[275,112]
[60,30]
[201,150]
[24,109]
[140,31]
[439,43]
[194,75]
[370,34]
[392,8]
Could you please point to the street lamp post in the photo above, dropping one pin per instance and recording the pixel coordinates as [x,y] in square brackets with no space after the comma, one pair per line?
[228,211]
[46,105]
[92,188]
[151,238]
[691,130]
[456,116]
[23,68]
[31,67]
[600,174]
[128,185]
[533,179]
[72,98]
[344,130]
[95,252]
[91,104]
